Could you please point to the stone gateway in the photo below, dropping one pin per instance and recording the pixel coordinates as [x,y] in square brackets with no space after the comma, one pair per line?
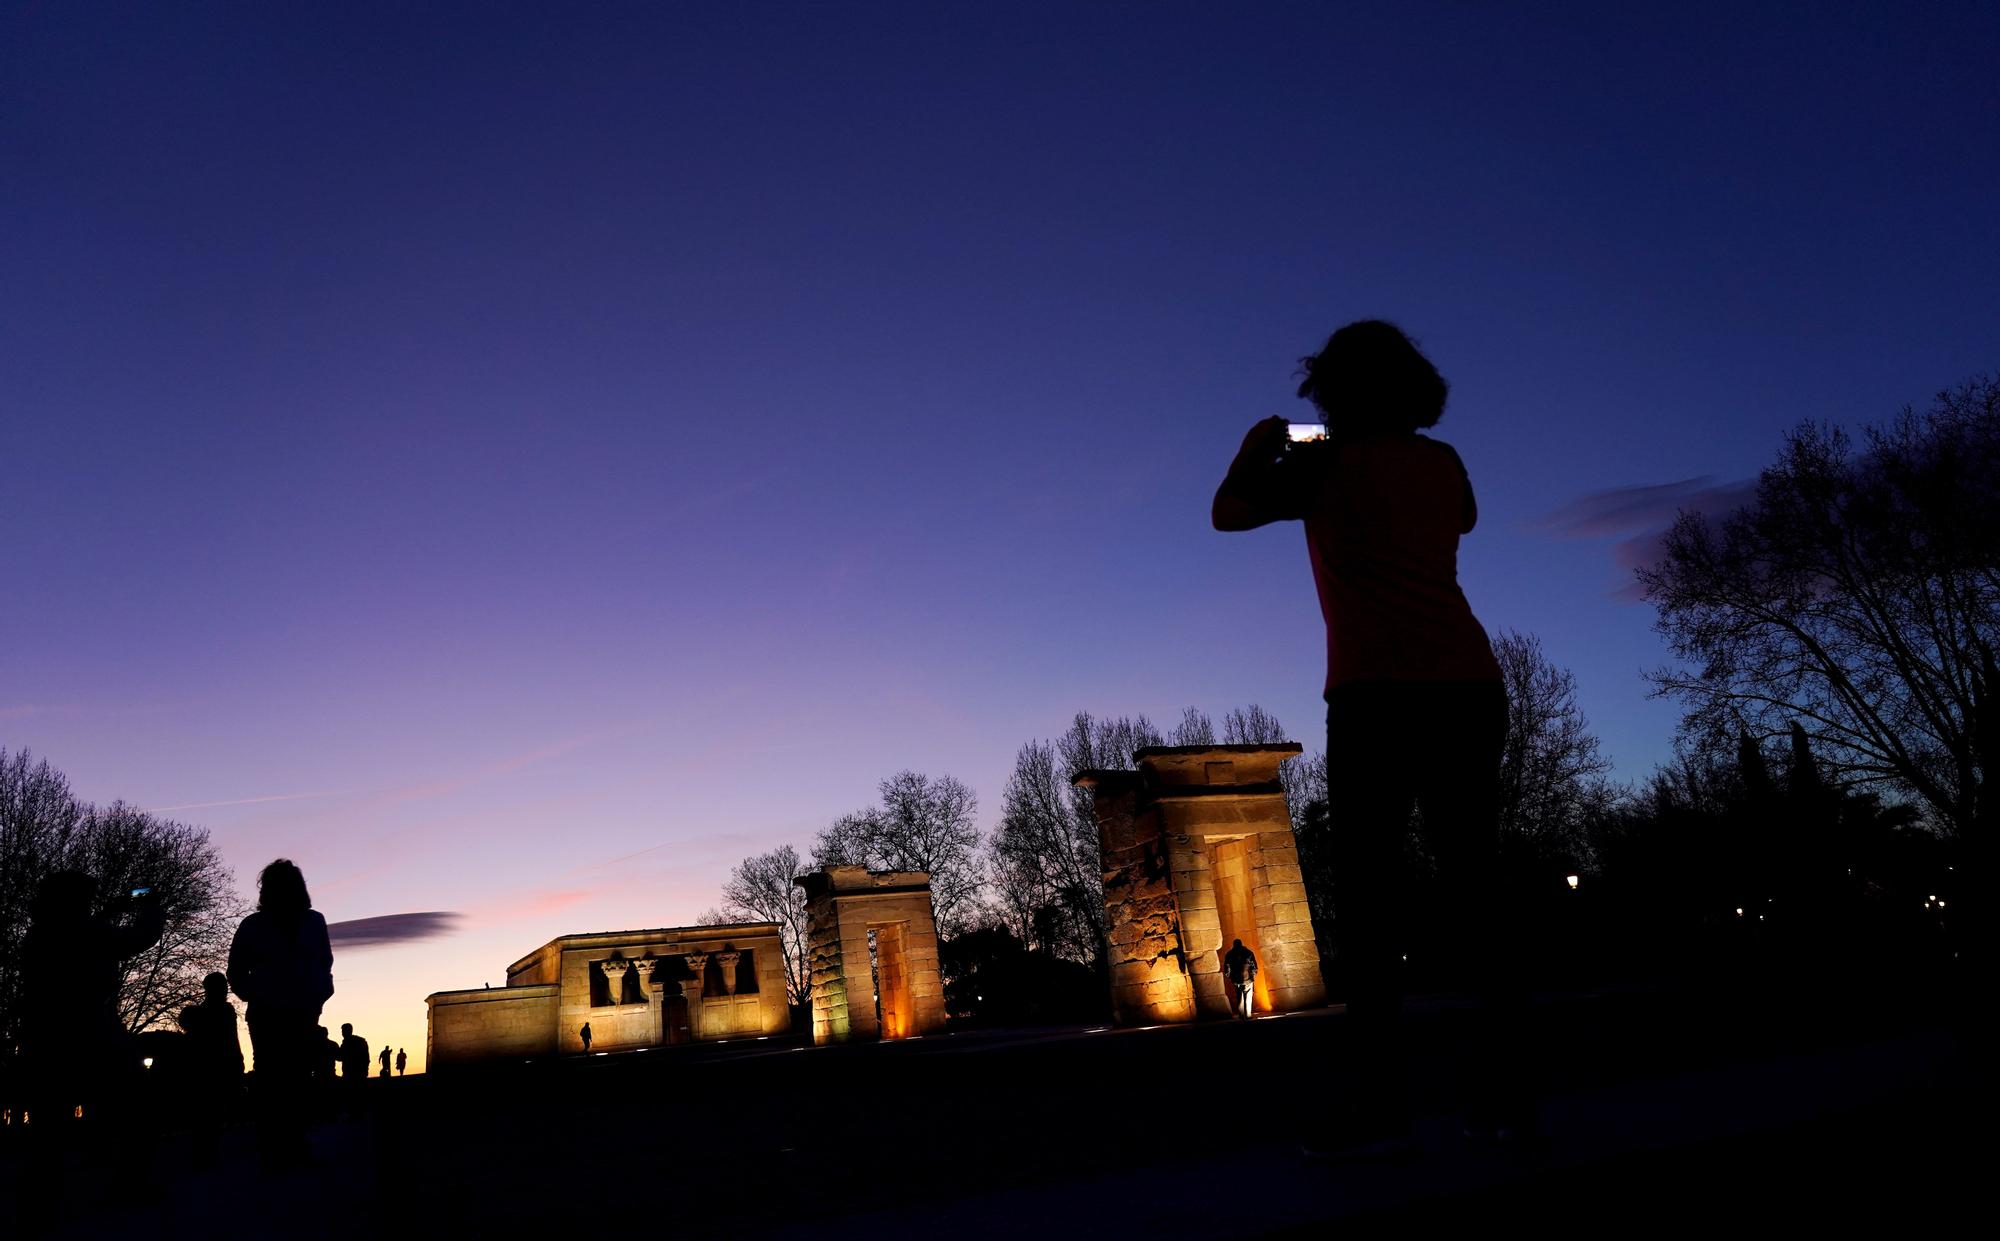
[872,945]
[1198,852]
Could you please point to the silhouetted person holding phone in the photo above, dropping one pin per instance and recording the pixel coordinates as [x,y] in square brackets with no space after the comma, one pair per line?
[282,965]
[1416,715]
[1239,970]
[385,1061]
[402,1061]
[75,1049]
[354,1061]
[214,1065]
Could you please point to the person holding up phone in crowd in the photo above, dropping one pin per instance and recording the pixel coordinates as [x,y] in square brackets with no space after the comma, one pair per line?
[76,1053]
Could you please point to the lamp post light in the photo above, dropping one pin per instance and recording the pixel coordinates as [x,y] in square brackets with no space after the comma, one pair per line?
[1572,880]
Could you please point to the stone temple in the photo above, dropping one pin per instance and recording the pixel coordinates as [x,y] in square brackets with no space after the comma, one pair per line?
[871,938]
[1198,851]
[692,984]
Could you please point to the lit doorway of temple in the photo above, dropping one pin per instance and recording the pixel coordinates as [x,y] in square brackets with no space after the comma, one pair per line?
[888,967]
[674,1015]
[1233,864]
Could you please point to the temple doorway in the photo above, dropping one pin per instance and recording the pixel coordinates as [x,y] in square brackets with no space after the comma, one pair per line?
[674,1014]
[888,964]
[1234,862]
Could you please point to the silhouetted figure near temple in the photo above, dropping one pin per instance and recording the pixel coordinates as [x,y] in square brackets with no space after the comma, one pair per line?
[326,1075]
[354,1061]
[586,1035]
[282,965]
[385,1061]
[402,1061]
[75,1050]
[1416,714]
[214,1071]
[1239,970]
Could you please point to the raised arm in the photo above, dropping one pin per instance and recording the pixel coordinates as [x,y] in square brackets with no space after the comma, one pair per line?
[148,923]
[1250,495]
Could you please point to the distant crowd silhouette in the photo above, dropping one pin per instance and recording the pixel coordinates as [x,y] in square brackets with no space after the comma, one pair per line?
[86,1075]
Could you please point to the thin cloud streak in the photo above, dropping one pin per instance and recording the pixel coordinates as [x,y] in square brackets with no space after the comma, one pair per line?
[385,929]
[1639,517]
[238,801]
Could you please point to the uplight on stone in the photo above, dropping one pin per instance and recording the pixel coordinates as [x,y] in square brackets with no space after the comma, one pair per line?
[1198,852]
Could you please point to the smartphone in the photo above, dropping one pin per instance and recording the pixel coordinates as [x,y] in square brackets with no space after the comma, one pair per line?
[140,891]
[1306,432]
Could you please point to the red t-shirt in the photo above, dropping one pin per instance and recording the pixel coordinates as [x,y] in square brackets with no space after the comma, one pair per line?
[1383,515]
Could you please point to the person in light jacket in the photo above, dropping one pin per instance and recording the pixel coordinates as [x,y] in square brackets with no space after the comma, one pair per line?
[281,964]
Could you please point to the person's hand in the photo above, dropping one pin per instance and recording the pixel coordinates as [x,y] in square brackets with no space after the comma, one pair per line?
[1266,439]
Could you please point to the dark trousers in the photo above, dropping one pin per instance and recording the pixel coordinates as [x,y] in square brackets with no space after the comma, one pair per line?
[285,1043]
[1433,747]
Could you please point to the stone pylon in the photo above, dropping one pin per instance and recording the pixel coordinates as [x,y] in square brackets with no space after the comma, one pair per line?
[894,992]
[1198,852]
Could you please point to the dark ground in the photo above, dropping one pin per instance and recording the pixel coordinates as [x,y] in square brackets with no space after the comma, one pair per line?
[1662,1106]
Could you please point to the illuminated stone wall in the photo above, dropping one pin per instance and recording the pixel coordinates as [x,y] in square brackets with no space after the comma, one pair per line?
[1198,851]
[1149,974]
[634,988]
[844,904]
[491,1024]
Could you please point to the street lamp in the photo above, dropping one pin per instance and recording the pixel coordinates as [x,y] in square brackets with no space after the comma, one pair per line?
[1572,880]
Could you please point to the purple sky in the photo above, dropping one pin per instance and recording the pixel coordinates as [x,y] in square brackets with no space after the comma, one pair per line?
[519,461]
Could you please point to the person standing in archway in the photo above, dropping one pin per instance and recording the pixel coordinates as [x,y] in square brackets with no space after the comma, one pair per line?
[1239,970]
[1416,713]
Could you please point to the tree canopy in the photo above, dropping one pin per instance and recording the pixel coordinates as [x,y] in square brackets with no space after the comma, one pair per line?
[925,823]
[1857,595]
[44,828]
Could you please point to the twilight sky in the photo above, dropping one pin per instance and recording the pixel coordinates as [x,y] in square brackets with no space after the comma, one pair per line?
[519,460]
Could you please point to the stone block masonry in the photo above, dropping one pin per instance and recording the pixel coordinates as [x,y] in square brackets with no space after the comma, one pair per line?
[872,946]
[1198,852]
[634,989]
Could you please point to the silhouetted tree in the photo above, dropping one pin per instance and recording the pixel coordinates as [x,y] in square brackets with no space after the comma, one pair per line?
[1858,595]
[44,828]
[1044,865]
[924,823]
[1195,728]
[762,889]
[1251,725]
[1552,774]
[991,976]
[1044,858]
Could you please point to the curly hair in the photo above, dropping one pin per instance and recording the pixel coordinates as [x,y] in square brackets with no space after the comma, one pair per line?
[1370,376]
[281,889]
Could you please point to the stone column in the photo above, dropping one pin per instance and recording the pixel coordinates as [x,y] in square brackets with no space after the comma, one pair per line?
[614,976]
[697,963]
[728,960]
[655,1003]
